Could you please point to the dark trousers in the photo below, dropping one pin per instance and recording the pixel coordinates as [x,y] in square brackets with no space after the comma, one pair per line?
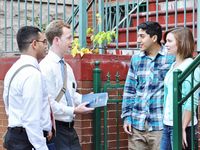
[17,139]
[66,137]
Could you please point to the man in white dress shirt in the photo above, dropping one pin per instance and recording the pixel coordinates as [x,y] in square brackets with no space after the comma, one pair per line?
[59,37]
[27,103]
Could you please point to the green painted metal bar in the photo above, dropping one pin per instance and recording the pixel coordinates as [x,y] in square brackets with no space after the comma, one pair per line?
[64,10]
[72,19]
[97,111]
[166,16]
[198,27]
[18,2]
[11,23]
[82,23]
[185,17]
[94,23]
[41,14]
[106,16]
[56,9]
[110,21]
[5,24]
[137,20]
[25,12]
[177,111]
[193,19]
[48,11]
[147,10]
[175,18]
[156,10]
[33,10]
[117,23]
[192,108]
[127,24]
[101,23]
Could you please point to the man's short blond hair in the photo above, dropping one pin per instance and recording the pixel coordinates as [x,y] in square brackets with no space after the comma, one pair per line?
[55,28]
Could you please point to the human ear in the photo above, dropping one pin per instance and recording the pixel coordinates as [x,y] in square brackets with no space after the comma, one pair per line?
[154,38]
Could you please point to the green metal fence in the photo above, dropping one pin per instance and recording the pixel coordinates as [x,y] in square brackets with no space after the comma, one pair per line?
[107,121]
[121,16]
[179,99]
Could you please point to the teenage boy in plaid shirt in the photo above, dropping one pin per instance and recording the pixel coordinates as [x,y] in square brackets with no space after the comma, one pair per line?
[142,106]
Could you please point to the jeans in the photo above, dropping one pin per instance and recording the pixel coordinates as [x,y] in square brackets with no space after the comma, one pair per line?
[167,138]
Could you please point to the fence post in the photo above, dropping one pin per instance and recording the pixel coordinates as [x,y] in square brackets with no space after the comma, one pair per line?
[177,112]
[82,22]
[101,23]
[97,111]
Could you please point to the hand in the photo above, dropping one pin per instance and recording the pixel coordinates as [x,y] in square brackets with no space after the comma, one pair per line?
[82,109]
[127,128]
[49,136]
[184,140]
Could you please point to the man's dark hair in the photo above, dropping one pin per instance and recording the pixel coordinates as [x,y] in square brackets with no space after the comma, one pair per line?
[152,28]
[26,35]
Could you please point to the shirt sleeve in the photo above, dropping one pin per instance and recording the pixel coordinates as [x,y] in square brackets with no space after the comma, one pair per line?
[33,98]
[186,87]
[129,93]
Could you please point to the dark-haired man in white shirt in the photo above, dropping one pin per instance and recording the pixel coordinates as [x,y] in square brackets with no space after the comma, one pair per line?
[26,101]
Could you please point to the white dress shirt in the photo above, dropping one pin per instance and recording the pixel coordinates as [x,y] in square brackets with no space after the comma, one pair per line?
[51,69]
[28,105]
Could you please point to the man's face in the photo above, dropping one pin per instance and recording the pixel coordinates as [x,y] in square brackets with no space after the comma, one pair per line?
[144,40]
[41,46]
[65,41]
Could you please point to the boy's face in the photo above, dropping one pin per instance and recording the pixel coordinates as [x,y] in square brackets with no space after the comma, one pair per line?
[145,41]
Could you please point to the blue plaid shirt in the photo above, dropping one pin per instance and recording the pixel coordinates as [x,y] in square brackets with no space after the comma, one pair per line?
[144,90]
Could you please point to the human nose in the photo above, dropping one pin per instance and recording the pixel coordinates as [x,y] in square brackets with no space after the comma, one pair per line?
[138,39]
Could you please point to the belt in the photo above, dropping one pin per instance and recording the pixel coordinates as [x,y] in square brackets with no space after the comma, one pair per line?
[65,124]
[21,129]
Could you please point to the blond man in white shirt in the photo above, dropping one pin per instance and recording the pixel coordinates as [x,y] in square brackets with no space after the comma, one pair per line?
[59,37]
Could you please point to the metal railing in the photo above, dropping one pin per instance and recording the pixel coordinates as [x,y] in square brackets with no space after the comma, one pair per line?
[179,98]
[121,16]
[108,127]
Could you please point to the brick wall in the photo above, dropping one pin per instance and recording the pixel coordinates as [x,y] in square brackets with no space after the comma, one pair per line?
[83,72]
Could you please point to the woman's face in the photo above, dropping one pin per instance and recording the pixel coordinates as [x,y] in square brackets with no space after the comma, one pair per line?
[171,44]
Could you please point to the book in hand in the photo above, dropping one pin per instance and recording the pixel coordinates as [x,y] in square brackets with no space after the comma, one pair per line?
[95,99]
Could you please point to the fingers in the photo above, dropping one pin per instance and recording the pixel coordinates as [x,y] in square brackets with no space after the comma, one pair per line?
[82,109]
[49,136]
[184,140]
[127,129]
